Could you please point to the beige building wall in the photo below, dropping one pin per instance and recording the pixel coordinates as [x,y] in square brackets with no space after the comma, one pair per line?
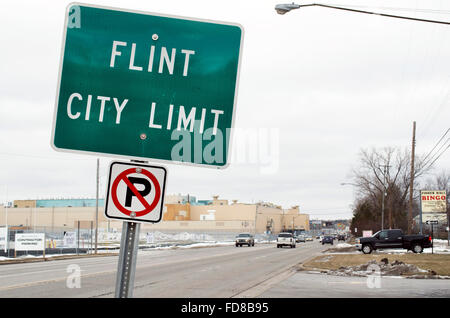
[269,218]
[173,198]
[217,201]
[235,212]
[293,219]
[66,217]
[24,203]
[225,226]
[236,216]
[177,212]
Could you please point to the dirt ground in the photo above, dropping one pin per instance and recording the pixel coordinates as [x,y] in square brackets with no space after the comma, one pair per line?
[438,263]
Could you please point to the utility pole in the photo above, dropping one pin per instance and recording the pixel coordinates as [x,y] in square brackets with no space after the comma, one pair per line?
[96,208]
[411,181]
[448,221]
[6,222]
[384,194]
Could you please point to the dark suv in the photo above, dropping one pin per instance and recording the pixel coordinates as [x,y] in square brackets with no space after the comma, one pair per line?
[327,240]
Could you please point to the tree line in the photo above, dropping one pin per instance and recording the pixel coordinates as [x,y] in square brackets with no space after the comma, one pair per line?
[382,182]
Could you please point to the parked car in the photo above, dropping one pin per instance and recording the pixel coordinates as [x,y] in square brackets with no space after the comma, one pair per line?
[327,240]
[286,239]
[393,239]
[245,239]
[300,238]
[341,237]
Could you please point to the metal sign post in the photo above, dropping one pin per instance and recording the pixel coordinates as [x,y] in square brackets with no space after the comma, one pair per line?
[90,247]
[431,223]
[432,239]
[420,219]
[78,237]
[129,246]
[133,205]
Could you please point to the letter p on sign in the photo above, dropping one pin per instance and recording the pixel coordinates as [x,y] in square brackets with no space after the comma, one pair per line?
[135,192]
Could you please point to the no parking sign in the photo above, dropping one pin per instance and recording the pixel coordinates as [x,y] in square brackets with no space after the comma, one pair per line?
[135,192]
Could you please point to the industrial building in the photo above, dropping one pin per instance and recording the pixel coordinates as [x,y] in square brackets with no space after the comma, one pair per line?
[181,212]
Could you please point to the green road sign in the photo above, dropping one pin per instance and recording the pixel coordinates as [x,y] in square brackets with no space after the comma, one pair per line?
[147,86]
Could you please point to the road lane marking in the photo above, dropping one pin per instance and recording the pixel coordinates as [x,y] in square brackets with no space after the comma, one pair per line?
[109,260]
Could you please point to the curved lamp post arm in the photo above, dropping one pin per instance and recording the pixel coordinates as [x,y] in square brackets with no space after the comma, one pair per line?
[284,8]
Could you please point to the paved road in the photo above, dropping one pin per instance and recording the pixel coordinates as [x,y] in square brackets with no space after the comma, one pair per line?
[224,271]
[305,285]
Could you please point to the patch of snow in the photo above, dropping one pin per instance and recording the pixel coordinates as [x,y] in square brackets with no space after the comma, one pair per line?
[343,245]
[394,269]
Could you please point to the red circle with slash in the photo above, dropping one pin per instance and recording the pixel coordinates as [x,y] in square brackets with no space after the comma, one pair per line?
[123,177]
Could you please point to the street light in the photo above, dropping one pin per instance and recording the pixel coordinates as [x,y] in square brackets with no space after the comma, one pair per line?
[284,8]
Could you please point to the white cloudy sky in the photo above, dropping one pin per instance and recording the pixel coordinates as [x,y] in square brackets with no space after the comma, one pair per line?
[331,82]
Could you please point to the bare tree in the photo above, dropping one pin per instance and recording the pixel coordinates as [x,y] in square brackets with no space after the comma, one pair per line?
[441,181]
[387,169]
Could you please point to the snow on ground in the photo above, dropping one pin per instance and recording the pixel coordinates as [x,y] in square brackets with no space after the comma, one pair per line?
[343,245]
[396,269]
[439,247]
[380,268]
[110,242]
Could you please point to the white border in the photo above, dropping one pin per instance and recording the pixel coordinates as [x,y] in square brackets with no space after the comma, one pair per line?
[108,185]
[102,154]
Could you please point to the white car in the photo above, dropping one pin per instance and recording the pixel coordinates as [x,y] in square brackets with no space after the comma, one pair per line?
[301,238]
[286,239]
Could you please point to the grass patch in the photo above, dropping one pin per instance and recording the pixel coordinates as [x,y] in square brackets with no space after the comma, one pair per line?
[436,262]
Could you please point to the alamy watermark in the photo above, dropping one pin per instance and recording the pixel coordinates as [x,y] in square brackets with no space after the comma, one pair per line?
[373,276]
[74,278]
[253,146]
[74,19]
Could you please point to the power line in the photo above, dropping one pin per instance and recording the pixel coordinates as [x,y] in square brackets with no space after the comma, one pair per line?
[397,9]
[431,115]
[432,157]
[436,144]
[448,146]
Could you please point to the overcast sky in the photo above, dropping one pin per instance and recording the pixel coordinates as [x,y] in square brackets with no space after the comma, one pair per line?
[328,83]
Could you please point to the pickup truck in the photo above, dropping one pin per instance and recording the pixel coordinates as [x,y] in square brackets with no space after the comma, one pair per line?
[393,239]
[285,239]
